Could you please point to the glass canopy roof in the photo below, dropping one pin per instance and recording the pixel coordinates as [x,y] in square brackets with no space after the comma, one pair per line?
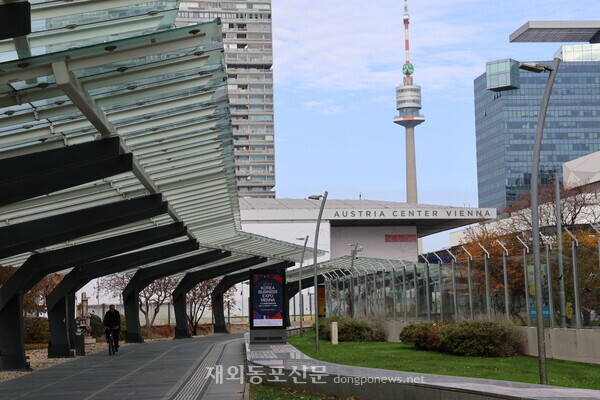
[341,266]
[164,94]
[63,24]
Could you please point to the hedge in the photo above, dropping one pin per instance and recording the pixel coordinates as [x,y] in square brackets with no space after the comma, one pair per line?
[37,330]
[466,338]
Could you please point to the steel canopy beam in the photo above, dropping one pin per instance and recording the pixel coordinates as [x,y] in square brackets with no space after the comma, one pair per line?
[69,84]
[191,279]
[60,309]
[144,277]
[32,235]
[12,352]
[31,175]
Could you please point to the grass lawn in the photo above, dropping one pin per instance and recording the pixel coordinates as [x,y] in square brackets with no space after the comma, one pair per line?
[402,357]
[263,392]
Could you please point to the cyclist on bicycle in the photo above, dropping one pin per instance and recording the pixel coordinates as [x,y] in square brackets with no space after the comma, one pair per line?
[112,322]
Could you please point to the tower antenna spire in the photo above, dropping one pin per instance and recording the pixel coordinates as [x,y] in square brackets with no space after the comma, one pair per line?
[407,68]
[408,104]
[406,19]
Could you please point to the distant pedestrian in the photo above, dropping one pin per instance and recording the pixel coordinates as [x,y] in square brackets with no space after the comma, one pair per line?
[112,322]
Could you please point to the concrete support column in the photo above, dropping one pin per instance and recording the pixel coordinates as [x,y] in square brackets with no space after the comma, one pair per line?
[71,324]
[132,316]
[219,310]
[12,345]
[411,167]
[181,322]
[63,327]
[60,345]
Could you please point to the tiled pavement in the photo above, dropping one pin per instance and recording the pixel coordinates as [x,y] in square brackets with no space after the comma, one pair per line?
[169,370]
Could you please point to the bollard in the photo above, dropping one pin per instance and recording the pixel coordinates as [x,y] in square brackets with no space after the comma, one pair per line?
[334,333]
[79,343]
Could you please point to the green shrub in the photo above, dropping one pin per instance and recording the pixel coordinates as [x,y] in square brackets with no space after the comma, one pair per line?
[37,330]
[466,338]
[96,326]
[481,339]
[352,330]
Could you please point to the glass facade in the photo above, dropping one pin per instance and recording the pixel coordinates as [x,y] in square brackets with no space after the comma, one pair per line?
[247,40]
[506,122]
[502,75]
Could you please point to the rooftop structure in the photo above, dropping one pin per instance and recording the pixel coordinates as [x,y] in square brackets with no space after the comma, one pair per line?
[558,31]
[582,171]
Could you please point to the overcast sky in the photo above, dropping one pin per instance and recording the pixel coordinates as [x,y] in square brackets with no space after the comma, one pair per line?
[337,64]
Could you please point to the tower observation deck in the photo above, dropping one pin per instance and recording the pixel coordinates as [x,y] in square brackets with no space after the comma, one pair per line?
[408,104]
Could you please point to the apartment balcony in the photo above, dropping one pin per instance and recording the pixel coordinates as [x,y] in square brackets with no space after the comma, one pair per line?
[270,194]
[252,142]
[257,51]
[237,152]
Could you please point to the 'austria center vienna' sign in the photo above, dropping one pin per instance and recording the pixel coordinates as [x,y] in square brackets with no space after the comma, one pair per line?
[411,213]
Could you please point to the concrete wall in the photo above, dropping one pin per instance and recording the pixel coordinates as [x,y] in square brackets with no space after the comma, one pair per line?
[581,345]
[167,314]
[290,231]
[373,241]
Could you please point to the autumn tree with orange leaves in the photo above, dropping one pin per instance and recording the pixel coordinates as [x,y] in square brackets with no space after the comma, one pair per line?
[489,240]
[579,208]
[34,301]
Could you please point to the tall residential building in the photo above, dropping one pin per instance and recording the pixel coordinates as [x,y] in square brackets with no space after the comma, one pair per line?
[247,38]
[507,102]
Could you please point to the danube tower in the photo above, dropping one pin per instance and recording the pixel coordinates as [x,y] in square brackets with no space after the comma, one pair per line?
[408,104]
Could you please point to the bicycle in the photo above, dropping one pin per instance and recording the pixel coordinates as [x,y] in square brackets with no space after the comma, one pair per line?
[112,349]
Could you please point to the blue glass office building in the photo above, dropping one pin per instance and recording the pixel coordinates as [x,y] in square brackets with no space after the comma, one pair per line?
[507,101]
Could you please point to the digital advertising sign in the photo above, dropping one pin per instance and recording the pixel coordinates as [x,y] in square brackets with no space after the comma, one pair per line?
[267,298]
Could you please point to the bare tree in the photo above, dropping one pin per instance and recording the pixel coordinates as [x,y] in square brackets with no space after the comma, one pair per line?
[578,205]
[199,300]
[151,298]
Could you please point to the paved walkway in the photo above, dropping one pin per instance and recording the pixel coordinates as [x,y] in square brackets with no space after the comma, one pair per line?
[320,376]
[169,370]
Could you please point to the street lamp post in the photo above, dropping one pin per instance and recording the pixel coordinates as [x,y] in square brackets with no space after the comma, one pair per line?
[559,244]
[300,283]
[323,198]
[353,253]
[427,289]
[535,223]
